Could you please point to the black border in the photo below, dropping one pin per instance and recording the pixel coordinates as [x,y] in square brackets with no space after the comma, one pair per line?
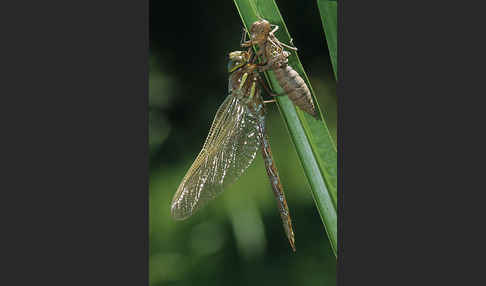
[75,142]
[409,214]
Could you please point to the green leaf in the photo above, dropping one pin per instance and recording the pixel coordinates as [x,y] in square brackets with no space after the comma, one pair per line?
[313,142]
[328,12]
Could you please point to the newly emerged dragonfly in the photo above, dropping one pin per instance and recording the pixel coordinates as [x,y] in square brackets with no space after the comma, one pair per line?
[276,59]
[237,132]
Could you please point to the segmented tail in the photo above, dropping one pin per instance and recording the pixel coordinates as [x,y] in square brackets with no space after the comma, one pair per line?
[296,89]
[277,188]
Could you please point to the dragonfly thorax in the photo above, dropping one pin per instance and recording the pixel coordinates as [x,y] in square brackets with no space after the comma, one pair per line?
[237,59]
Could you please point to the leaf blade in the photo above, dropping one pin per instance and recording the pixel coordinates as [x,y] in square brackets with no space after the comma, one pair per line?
[311,137]
[328,12]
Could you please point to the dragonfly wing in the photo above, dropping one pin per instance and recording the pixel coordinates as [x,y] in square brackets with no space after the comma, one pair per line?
[229,149]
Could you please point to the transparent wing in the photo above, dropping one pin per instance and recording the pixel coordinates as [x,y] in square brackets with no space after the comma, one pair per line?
[229,149]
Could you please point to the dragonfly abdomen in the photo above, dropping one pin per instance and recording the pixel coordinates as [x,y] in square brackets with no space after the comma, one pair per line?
[296,89]
[276,184]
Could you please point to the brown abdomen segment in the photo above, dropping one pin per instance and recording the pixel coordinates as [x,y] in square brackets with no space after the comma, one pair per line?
[295,88]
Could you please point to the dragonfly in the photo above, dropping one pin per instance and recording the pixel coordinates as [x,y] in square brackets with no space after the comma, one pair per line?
[237,132]
[262,34]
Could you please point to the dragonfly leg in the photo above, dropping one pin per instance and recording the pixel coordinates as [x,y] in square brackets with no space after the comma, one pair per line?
[253,55]
[267,89]
[243,37]
[269,101]
[260,66]
[287,46]
[265,66]
[283,44]
[274,30]
[246,44]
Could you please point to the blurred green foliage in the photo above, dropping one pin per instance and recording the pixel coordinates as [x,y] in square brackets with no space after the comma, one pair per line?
[238,238]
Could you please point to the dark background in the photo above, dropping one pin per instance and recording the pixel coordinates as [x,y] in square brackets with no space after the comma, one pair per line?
[238,238]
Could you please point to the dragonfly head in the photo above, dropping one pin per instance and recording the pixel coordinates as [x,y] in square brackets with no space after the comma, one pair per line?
[237,59]
[260,30]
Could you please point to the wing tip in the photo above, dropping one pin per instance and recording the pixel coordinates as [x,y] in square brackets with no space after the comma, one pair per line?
[177,213]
